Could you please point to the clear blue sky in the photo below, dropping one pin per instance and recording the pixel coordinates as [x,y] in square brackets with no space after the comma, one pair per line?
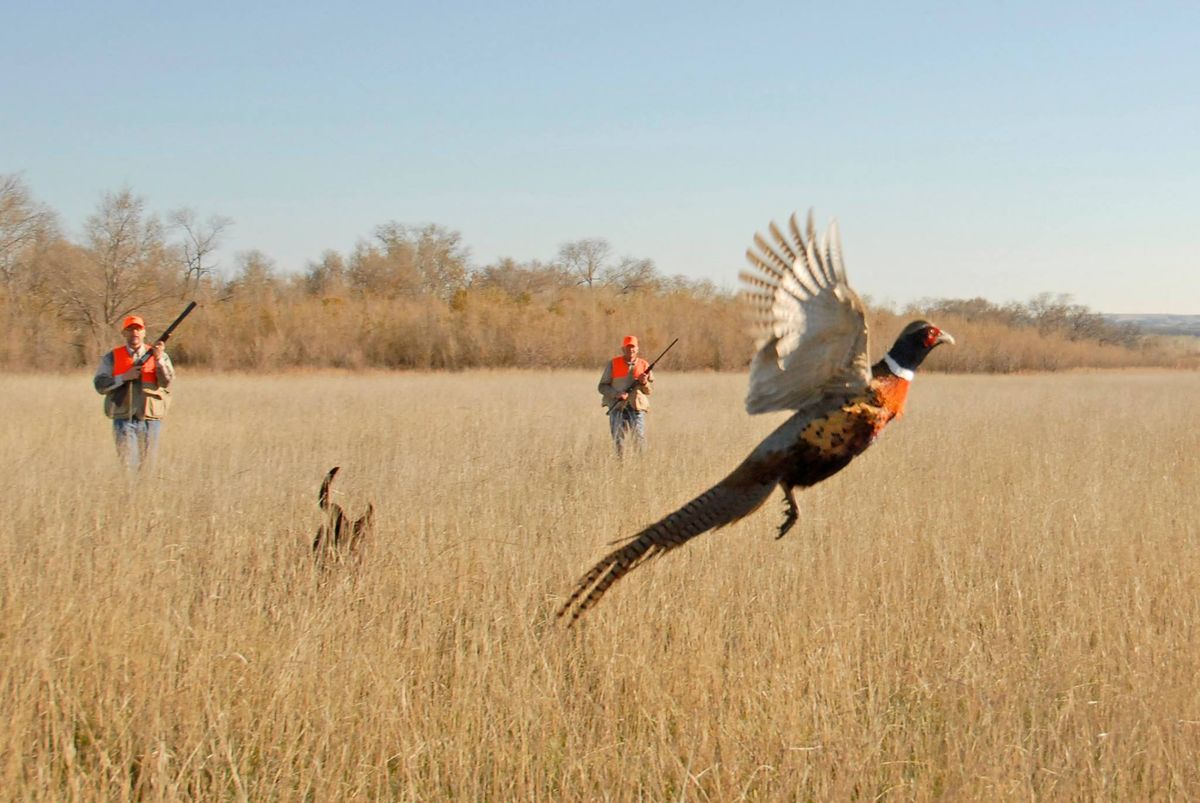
[998,149]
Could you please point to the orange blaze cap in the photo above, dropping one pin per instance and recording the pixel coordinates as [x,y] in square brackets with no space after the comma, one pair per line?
[629,340]
[132,321]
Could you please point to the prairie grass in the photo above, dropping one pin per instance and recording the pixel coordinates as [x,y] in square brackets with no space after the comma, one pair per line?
[998,601]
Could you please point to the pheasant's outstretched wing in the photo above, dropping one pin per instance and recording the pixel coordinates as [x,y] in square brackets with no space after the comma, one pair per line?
[733,498]
[810,327]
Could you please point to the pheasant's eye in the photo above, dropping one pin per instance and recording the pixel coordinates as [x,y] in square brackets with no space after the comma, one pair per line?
[931,336]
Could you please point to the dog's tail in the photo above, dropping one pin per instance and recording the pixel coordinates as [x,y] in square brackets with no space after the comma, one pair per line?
[323,496]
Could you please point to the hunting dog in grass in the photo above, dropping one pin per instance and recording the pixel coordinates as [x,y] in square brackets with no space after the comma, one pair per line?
[339,537]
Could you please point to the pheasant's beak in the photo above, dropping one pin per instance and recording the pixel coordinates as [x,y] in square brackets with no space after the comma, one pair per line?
[944,337]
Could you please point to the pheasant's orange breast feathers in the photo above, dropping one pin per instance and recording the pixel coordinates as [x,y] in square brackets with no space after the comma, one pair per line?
[892,392]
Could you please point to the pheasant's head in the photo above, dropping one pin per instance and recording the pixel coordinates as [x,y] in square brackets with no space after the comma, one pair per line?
[914,344]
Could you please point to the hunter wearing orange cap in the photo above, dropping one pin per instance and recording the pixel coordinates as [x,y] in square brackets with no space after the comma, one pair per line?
[625,390]
[135,396]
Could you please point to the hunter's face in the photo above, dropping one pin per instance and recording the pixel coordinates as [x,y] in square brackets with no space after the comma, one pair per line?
[134,336]
[630,351]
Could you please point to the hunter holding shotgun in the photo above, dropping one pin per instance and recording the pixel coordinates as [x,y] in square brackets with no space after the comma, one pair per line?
[136,384]
[625,390]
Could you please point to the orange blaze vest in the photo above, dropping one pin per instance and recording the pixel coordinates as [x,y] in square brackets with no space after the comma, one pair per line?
[122,362]
[620,368]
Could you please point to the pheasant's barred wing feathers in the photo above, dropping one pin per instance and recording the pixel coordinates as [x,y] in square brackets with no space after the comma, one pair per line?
[809,325]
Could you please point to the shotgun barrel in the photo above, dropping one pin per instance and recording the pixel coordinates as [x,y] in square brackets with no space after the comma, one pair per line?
[165,336]
[650,367]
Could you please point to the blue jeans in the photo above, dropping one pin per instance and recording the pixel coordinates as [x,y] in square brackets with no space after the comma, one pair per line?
[137,441]
[625,423]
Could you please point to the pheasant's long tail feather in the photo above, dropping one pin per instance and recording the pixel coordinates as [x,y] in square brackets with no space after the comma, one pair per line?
[713,509]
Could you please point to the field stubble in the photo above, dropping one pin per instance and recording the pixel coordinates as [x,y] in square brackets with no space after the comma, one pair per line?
[999,600]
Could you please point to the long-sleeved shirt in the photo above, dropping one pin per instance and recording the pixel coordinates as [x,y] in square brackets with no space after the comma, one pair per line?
[611,388]
[143,400]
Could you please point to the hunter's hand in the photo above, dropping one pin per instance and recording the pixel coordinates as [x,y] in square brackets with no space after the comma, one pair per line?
[623,397]
[160,348]
[130,375]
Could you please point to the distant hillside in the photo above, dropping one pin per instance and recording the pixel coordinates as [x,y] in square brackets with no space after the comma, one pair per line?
[1160,324]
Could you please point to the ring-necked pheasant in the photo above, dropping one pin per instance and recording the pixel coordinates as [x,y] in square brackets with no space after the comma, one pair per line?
[812,358]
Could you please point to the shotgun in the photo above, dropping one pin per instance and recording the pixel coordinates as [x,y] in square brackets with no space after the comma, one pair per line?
[140,361]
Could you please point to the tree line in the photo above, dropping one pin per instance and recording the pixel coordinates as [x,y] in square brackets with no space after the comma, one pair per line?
[409,297]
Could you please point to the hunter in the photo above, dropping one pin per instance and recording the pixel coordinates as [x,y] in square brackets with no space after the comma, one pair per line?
[625,390]
[135,397]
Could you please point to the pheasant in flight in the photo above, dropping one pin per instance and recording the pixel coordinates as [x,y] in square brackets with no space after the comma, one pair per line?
[811,336]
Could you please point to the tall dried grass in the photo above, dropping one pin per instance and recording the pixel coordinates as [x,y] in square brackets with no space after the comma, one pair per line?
[997,602]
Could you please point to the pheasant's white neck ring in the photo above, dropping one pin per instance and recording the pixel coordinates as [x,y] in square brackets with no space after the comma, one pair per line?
[907,374]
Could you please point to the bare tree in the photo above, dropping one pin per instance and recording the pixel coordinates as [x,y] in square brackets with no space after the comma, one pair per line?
[408,260]
[26,228]
[632,275]
[255,277]
[698,288]
[124,265]
[200,241]
[522,281]
[328,277]
[438,255]
[585,259]
[384,268]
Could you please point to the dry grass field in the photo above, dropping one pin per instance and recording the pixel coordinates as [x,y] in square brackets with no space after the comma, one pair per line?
[1000,600]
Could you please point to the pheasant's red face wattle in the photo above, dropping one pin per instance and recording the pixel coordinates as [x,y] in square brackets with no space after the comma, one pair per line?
[931,336]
